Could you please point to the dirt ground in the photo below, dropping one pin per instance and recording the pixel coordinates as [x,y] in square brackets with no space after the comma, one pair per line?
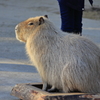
[92,13]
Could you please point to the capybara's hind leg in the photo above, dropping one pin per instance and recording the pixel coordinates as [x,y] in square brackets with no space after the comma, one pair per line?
[68,78]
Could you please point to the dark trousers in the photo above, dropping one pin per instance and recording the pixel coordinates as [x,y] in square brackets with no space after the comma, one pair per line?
[71,19]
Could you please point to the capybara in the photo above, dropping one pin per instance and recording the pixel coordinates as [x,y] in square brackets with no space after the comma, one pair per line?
[66,62]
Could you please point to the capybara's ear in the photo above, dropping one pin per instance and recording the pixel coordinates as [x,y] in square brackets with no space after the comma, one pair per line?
[41,20]
[46,16]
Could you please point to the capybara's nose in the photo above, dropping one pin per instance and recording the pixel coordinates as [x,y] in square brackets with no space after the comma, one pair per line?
[16,27]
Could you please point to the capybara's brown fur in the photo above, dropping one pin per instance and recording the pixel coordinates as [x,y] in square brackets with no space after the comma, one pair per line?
[66,62]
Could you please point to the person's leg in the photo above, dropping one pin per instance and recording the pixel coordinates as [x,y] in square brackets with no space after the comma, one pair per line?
[67,17]
[78,22]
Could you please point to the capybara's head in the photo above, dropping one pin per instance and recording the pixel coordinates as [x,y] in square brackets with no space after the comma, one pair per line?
[27,27]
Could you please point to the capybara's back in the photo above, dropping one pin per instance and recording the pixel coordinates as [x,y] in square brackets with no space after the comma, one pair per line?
[66,62]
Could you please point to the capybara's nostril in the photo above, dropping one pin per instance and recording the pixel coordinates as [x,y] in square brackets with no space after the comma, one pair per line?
[16,27]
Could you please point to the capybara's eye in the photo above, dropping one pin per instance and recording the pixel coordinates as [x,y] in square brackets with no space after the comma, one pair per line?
[30,23]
